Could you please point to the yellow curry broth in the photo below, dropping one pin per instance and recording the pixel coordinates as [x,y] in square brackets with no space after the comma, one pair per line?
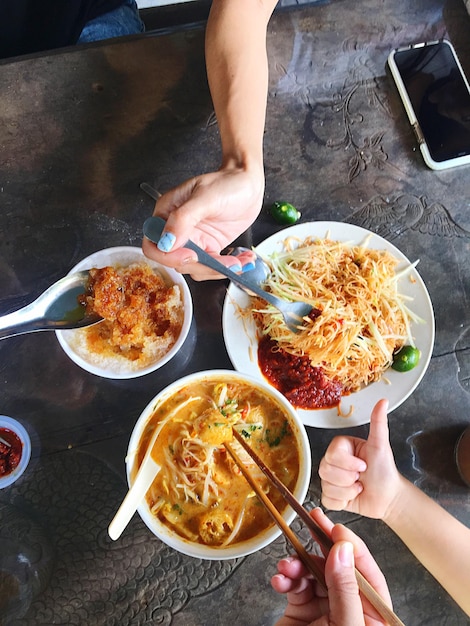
[200,492]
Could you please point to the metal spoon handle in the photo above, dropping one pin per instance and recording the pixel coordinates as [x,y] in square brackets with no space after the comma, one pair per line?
[24,320]
[153,228]
[56,308]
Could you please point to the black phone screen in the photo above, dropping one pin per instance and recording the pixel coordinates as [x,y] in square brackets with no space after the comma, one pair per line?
[440,98]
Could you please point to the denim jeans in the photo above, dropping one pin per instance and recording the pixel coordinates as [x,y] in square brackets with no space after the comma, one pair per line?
[124,20]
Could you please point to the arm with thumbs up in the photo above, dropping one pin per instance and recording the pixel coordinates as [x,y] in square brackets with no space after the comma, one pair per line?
[360,476]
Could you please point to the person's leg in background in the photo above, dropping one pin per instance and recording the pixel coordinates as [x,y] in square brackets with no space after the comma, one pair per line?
[122,21]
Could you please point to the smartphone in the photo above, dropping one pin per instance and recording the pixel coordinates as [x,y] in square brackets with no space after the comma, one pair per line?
[436,96]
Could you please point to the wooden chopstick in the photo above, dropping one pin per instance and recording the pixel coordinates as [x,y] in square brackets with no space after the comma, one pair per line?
[323,539]
[304,556]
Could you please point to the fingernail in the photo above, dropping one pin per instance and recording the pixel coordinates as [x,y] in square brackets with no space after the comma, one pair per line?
[166,242]
[236,268]
[248,267]
[345,554]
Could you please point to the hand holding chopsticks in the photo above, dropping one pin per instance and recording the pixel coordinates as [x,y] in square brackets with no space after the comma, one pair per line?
[341,604]
[322,537]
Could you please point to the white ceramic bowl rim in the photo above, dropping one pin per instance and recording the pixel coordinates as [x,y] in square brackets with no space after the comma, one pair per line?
[22,433]
[125,255]
[243,548]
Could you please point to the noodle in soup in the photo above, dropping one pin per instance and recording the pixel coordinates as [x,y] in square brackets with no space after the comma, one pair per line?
[200,492]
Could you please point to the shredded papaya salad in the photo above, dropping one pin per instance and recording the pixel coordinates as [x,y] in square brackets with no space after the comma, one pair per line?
[359,317]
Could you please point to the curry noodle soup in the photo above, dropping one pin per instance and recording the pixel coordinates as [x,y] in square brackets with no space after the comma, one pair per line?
[200,492]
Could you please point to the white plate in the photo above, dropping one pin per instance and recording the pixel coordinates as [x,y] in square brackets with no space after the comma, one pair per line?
[242,345]
[123,256]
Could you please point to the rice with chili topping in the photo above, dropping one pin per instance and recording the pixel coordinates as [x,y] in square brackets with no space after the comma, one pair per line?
[143,317]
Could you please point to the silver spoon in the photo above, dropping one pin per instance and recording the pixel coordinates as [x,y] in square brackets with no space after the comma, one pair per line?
[259,274]
[56,309]
[292,312]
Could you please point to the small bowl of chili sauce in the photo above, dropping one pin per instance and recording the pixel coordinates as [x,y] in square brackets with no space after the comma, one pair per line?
[15,450]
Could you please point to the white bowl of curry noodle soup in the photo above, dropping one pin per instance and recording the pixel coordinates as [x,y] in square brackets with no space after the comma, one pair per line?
[199,503]
[147,310]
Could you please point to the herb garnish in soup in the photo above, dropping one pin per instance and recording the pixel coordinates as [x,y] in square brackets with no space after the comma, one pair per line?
[200,492]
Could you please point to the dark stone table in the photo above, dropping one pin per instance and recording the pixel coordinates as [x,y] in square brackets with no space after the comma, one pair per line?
[79,130]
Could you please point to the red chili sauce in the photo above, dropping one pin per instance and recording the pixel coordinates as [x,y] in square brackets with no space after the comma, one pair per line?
[305,386]
[9,455]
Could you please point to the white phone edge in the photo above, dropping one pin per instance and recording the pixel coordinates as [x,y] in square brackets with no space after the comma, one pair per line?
[430,162]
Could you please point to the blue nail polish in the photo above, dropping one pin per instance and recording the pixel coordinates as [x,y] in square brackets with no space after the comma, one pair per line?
[166,242]
[236,268]
[248,267]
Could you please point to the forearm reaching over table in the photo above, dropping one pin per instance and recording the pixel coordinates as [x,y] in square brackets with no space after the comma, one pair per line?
[214,209]
[361,476]
[237,68]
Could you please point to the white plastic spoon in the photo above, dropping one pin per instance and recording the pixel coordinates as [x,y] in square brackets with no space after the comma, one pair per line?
[147,473]
[145,477]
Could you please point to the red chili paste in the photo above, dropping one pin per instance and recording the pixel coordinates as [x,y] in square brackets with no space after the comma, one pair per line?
[305,386]
[9,455]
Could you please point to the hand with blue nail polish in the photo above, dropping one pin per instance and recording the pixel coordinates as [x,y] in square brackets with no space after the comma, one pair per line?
[212,210]
[215,208]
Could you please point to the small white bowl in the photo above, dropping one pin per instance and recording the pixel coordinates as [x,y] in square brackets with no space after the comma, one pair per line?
[22,434]
[123,256]
[266,537]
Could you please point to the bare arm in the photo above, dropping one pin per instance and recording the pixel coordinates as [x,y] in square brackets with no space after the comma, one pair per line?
[361,476]
[214,209]
[237,68]
[435,537]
